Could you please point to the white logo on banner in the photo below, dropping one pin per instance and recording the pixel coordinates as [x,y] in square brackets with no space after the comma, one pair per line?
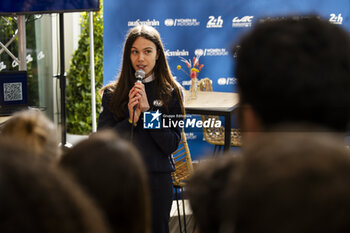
[181,53]
[227,81]
[181,22]
[198,52]
[211,52]
[336,19]
[245,21]
[215,22]
[169,22]
[146,22]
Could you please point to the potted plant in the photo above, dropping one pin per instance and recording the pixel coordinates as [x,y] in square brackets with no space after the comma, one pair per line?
[78,93]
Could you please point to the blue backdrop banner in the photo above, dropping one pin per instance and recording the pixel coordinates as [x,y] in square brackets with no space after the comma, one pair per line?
[207,28]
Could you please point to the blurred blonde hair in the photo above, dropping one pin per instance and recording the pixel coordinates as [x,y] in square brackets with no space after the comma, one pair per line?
[35,131]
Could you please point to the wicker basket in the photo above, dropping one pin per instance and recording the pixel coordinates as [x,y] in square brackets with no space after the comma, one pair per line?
[216,136]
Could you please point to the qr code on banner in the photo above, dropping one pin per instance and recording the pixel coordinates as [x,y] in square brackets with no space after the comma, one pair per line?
[13,91]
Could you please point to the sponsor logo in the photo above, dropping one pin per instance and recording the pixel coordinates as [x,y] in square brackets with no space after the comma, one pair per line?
[227,81]
[169,22]
[155,120]
[245,21]
[215,22]
[181,53]
[211,52]
[181,22]
[146,22]
[199,52]
[336,19]
[151,120]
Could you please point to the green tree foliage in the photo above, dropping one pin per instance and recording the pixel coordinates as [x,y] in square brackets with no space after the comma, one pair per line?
[78,77]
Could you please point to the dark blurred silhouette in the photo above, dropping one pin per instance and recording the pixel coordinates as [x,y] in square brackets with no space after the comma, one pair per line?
[112,172]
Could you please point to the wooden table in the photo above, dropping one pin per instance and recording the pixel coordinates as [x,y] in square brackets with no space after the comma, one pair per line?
[214,103]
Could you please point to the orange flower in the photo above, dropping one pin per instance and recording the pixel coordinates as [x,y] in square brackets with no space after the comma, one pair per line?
[193,66]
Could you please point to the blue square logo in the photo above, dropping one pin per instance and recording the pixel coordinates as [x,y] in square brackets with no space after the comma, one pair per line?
[151,120]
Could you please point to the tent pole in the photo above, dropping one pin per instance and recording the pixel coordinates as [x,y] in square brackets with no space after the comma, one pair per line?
[92,72]
[62,79]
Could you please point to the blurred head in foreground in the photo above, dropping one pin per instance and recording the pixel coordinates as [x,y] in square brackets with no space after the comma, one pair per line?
[112,172]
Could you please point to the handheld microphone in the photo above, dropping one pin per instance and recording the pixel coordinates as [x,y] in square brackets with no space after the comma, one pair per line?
[140,74]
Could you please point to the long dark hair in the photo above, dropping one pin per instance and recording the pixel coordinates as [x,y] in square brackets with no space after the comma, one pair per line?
[164,80]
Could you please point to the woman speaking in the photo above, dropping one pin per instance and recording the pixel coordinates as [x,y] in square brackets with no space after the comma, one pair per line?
[124,102]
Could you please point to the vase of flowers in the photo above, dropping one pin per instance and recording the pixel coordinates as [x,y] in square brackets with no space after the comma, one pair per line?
[194,68]
[193,88]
